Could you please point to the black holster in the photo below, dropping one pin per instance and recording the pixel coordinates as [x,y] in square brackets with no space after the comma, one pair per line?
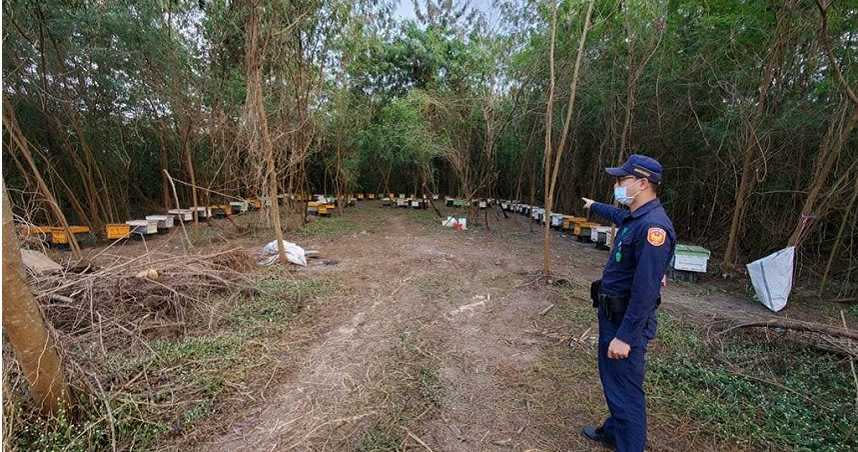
[615,307]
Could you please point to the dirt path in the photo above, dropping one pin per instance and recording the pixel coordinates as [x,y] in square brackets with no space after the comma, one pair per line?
[436,341]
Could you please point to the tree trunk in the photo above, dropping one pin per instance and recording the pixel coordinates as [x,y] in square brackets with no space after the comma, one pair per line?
[25,328]
[546,158]
[189,163]
[257,110]
[829,153]
[836,248]
[549,187]
[164,162]
[775,56]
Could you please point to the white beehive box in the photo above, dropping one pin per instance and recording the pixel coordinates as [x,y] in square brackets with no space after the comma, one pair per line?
[691,258]
[415,204]
[556,220]
[143,227]
[600,234]
[202,212]
[242,205]
[163,221]
[182,214]
[483,204]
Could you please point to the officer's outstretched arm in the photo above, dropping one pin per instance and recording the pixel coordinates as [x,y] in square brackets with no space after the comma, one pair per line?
[653,255]
[609,212]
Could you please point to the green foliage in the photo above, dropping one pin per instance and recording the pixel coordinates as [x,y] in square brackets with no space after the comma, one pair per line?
[739,392]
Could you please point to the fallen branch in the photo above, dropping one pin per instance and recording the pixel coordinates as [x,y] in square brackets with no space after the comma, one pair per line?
[797,326]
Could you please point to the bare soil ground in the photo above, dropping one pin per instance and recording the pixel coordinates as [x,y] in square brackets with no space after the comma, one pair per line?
[439,340]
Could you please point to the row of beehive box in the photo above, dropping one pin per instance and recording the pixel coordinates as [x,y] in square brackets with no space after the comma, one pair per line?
[687,258]
[458,202]
[414,203]
[152,224]
[579,227]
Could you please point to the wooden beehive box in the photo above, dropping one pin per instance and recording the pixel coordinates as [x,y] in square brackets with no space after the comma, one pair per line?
[203,212]
[602,236]
[60,237]
[117,231]
[691,258]
[219,210]
[182,214]
[164,222]
[143,227]
[238,207]
[556,220]
[583,229]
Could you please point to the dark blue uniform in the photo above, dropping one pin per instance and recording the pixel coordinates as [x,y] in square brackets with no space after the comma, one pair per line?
[642,251]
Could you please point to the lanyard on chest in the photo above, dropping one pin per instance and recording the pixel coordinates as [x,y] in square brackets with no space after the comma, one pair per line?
[618,249]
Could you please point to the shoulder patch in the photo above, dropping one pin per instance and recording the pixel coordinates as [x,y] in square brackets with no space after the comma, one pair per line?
[656,236]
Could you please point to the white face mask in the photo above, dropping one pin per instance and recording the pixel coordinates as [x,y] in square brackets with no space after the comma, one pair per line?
[622,197]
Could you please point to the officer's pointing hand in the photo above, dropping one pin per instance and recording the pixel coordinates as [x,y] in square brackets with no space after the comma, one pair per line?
[618,349]
[588,202]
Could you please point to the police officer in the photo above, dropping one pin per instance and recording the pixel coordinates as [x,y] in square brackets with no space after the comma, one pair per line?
[627,297]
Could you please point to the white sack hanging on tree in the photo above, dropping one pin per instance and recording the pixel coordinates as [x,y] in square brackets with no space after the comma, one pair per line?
[771,277]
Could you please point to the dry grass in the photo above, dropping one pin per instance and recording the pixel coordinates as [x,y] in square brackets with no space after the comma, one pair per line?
[147,354]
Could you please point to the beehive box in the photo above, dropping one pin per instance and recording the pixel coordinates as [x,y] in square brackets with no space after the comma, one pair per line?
[164,222]
[238,206]
[371,196]
[117,231]
[60,237]
[556,220]
[359,196]
[458,203]
[691,258]
[40,232]
[483,204]
[143,227]
[324,210]
[254,204]
[583,230]
[218,211]
[601,236]
[202,212]
[401,202]
[569,221]
[182,214]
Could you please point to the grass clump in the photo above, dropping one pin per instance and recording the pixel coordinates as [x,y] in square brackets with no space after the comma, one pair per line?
[328,227]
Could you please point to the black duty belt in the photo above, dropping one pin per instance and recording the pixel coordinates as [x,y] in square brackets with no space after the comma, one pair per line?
[614,307]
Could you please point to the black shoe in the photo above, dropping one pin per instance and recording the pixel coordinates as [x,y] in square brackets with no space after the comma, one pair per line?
[598,435]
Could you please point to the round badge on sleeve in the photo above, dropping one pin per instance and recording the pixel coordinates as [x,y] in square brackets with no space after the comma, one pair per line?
[656,236]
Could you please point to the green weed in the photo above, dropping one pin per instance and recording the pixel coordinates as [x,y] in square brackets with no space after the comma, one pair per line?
[328,227]
[737,392]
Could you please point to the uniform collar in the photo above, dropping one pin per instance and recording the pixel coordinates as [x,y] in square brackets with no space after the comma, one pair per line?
[644,209]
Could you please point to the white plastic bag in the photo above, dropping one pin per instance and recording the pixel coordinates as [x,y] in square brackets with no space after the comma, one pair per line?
[294,253]
[771,277]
